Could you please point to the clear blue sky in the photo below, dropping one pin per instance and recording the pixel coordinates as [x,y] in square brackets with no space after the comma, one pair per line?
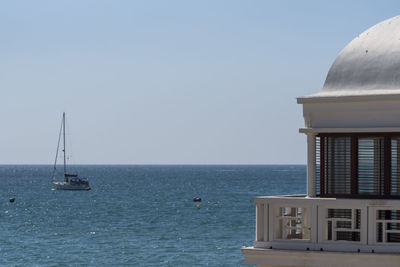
[168,82]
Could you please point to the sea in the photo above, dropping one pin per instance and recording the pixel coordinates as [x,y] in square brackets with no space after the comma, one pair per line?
[136,215]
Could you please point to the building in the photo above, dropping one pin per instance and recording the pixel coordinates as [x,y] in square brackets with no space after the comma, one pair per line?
[351,213]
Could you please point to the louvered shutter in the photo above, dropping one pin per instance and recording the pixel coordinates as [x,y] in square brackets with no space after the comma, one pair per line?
[337,167]
[371,167]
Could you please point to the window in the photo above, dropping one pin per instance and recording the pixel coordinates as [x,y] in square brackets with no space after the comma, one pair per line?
[395,165]
[371,166]
[337,155]
[318,165]
[358,165]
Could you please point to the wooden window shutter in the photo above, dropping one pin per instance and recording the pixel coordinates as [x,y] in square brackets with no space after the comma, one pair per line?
[337,165]
[371,165]
[318,165]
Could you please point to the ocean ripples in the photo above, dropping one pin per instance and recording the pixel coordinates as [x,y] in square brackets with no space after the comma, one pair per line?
[136,215]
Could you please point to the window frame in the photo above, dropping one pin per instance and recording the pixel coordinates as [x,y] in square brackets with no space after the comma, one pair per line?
[354,165]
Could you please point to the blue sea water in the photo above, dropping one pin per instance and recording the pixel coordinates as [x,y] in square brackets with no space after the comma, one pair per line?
[136,215]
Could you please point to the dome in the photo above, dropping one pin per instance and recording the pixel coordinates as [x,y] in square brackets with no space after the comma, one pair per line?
[368,65]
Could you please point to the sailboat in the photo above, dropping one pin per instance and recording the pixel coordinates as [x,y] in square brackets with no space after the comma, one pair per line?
[71,180]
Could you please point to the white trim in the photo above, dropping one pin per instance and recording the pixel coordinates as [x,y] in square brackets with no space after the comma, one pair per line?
[276,257]
[331,246]
[350,130]
[270,223]
[347,98]
[364,225]
[265,226]
[260,222]
[311,168]
[371,233]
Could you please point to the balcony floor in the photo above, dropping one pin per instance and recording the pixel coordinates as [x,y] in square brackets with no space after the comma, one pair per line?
[276,257]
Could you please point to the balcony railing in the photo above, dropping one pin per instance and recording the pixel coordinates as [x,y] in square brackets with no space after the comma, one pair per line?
[327,224]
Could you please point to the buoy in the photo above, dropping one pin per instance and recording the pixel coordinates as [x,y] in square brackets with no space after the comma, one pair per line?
[12,200]
[197,199]
[197,206]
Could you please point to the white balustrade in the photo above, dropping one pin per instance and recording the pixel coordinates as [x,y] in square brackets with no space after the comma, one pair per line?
[300,222]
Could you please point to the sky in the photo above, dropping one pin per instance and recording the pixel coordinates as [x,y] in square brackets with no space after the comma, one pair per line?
[168,82]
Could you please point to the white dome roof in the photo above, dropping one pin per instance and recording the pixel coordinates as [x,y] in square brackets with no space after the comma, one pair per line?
[368,65]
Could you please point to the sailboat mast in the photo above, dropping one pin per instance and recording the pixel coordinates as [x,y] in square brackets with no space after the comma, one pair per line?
[65,161]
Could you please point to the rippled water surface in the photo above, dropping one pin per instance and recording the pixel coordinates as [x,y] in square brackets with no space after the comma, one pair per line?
[136,215]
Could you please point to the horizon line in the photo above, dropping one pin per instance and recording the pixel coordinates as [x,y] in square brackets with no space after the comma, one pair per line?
[157,164]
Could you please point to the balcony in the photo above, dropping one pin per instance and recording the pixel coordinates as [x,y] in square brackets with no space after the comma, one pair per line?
[328,224]
[303,231]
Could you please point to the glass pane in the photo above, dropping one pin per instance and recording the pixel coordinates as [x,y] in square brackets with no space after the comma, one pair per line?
[371,166]
[395,162]
[337,165]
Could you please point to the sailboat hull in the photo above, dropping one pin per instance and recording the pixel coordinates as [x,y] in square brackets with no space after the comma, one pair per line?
[69,186]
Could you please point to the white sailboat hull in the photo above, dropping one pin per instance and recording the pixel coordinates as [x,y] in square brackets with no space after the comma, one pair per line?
[69,186]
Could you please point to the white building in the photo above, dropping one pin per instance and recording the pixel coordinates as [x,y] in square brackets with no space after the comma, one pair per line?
[351,213]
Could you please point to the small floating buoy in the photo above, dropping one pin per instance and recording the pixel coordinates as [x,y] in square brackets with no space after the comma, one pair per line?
[12,200]
[197,206]
[197,199]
